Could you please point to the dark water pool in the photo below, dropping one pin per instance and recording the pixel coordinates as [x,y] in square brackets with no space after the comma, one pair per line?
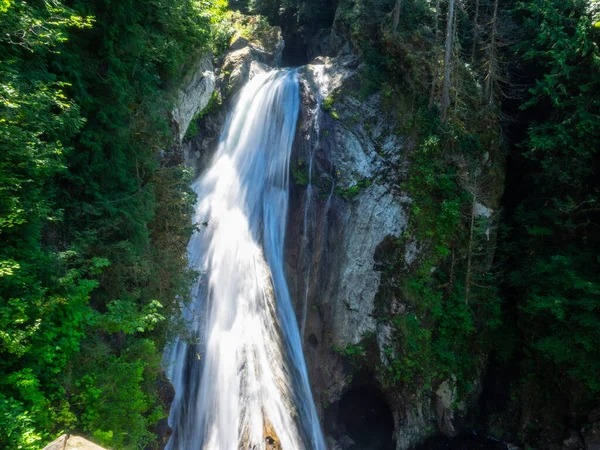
[463,442]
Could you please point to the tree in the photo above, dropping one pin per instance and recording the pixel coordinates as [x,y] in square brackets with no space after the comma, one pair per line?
[396,14]
[557,239]
[493,71]
[481,222]
[445,103]
[434,81]
[475,32]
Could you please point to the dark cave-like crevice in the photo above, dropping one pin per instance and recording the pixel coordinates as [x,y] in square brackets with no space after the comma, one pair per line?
[295,52]
[362,418]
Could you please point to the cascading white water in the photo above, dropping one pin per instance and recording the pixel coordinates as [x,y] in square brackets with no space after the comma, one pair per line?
[245,381]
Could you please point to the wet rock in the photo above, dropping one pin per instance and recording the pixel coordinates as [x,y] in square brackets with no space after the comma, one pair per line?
[271,444]
[236,67]
[346,442]
[166,394]
[444,398]
[271,439]
[591,434]
[240,63]
[354,209]
[573,442]
[332,444]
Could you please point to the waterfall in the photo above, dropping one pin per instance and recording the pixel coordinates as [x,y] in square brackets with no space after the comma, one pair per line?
[244,383]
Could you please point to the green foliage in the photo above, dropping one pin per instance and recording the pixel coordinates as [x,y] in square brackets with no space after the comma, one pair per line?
[413,361]
[328,102]
[316,13]
[254,28]
[564,43]
[353,191]
[437,197]
[92,219]
[356,354]
[444,334]
[300,173]
[112,390]
[563,312]
[328,106]
[213,103]
[555,241]
[191,131]
[441,338]
[350,350]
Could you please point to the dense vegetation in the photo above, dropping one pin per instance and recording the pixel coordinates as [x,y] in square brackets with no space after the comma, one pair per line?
[553,236]
[94,211]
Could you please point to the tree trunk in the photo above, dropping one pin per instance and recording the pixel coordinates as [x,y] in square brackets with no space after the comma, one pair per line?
[475,32]
[491,82]
[435,66]
[447,62]
[454,67]
[470,249]
[396,14]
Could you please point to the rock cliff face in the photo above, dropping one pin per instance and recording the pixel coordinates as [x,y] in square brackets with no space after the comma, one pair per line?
[351,159]
[347,212]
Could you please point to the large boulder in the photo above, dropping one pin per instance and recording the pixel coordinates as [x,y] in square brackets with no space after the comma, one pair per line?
[195,94]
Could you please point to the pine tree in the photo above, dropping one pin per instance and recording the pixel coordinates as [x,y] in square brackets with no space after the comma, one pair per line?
[448,50]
